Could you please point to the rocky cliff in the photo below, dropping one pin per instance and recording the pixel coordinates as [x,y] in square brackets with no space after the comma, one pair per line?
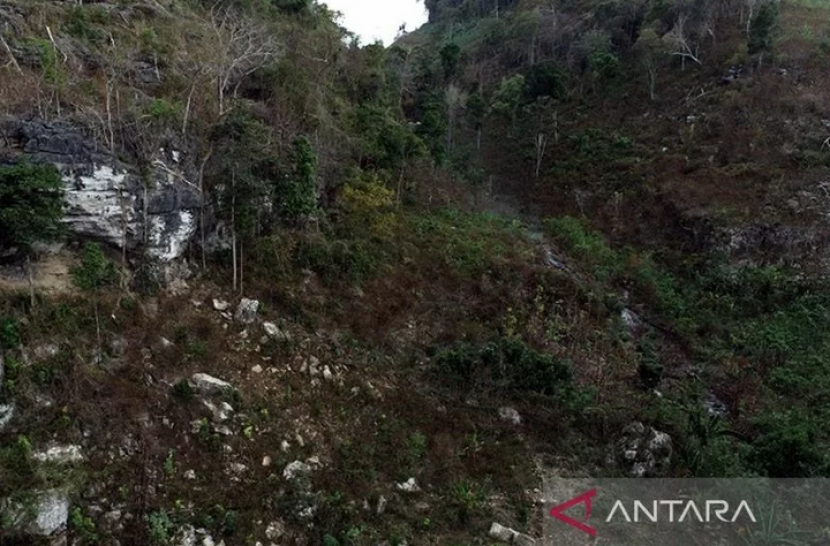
[154,214]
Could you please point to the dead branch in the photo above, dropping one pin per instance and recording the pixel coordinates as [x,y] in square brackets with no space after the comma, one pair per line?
[12,60]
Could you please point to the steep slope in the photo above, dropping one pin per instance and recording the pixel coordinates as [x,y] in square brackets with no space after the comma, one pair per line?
[414,282]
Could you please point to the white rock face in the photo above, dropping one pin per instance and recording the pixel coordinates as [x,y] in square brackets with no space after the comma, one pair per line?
[99,205]
[168,235]
[107,200]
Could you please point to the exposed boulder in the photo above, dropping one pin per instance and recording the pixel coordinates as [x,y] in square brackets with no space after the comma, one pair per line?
[45,514]
[207,384]
[246,311]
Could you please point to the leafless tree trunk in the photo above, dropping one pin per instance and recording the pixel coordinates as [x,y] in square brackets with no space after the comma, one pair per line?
[233,226]
[12,60]
[681,43]
[541,146]
[31,281]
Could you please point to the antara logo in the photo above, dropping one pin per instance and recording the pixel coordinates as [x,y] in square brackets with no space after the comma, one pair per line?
[671,511]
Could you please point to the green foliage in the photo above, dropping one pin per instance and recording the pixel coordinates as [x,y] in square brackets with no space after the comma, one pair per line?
[95,271]
[298,195]
[476,107]
[432,116]
[81,24]
[386,143]
[508,97]
[588,246]
[338,259]
[470,244]
[450,56]
[160,528]
[83,527]
[763,28]
[507,364]
[787,446]
[161,109]
[9,333]
[183,390]
[31,204]
[244,173]
[17,467]
[545,80]
[605,70]
[467,498]
[369,206]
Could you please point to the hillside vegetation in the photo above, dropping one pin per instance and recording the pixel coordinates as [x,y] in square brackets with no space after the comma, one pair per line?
[422,278]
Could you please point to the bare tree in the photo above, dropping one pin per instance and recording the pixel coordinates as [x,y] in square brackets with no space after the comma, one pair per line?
[681,43]
[241,47]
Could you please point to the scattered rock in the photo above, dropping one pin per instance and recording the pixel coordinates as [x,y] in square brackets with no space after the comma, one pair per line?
[60,455]
[221,305]
[381,505]
[295,470]
[221,412]
[237,468]
[275,530]
[510,415]
[6,414]
[276,333]
[266,461]
[190,475]
[246,311]
[509,536]
[643,450]
[499,532]
[327,375]
[186,536]
[409,486]
[257,369]
[630,320]
[714,406]
[207,384]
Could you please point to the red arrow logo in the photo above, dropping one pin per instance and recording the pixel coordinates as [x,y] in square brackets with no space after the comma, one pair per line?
[585,498]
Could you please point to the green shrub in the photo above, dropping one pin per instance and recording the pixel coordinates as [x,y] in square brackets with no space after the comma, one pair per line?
[787,446]
[83,527]
[95,271]
[31,204]
[588,246]
[507,364]
[183,390]
[9,333]
[17,467]
[160,528]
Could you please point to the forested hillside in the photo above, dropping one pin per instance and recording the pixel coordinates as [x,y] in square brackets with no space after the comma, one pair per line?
[261,283]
